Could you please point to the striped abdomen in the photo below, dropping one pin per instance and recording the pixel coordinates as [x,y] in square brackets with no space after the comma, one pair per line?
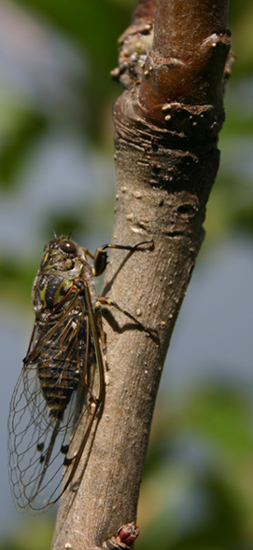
[62,364]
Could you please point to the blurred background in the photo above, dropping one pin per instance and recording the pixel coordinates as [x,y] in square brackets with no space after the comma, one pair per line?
[56,172]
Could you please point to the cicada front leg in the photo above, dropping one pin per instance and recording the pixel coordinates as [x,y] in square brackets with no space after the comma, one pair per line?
[100,258]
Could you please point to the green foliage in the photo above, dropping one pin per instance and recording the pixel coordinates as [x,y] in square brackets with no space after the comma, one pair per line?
[29,125]
[16,281]
[241,17]
[195,493]
[33,534]
[94,27]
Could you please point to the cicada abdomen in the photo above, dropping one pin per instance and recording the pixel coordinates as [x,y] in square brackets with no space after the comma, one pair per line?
[65,339]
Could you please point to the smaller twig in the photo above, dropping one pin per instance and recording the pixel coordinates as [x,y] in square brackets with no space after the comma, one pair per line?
[126,536]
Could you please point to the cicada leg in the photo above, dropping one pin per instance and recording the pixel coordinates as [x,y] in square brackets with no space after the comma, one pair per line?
[102,334]
[100,258]
[103,301]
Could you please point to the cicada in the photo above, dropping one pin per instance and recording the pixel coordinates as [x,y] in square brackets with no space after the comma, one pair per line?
[62,379]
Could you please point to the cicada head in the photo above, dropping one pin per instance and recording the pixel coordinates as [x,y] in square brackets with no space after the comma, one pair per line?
[61,256]
[61,267]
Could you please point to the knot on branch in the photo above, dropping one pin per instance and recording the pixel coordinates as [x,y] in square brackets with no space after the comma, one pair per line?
[179,125]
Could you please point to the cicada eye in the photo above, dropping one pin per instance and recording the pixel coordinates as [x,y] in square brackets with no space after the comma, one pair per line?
[68,246]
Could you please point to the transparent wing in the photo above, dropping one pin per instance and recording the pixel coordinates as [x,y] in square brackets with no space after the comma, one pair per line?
[60,361]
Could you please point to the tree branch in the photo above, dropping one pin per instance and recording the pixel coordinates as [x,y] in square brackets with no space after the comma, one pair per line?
[166,123]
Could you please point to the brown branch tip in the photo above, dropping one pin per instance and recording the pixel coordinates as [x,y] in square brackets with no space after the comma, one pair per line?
[126,536]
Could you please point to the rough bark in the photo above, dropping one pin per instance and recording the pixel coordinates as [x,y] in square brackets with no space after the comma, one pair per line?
[166,124]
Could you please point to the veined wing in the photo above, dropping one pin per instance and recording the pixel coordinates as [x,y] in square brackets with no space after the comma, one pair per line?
[56,379]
